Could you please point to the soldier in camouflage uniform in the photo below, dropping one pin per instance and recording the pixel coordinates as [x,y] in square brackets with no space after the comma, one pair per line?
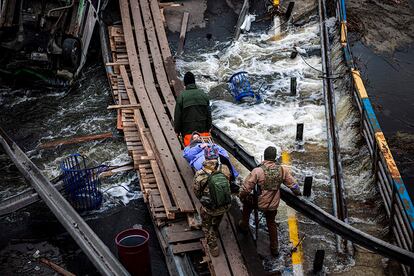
[211,218]
[268,176]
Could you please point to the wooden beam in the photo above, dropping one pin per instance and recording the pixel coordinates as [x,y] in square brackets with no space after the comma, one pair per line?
[231,248]
[174,237]
[186,247]
[158,63]
[242,16]
[183,32]
[218,266]
[169,208]
[169,4]
[127,106]
[165,48]
[117,63]
[56,268]
[76,140]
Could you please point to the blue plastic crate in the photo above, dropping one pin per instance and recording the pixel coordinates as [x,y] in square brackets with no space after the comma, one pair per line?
[82,185]
[240,87]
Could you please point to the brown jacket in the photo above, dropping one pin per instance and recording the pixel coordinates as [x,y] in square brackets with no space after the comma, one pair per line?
[268,200]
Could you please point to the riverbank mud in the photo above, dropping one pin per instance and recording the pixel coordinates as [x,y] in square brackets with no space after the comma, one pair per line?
[384,26]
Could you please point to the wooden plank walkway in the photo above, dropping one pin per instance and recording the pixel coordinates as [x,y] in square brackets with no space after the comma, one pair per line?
[144,86]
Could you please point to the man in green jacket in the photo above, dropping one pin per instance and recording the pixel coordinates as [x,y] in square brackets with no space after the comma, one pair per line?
[192,111]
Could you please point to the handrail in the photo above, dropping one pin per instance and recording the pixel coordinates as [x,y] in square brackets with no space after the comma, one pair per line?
[398,204]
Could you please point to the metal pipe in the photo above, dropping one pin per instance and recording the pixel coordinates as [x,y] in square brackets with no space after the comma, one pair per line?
[60,8]
[335,164]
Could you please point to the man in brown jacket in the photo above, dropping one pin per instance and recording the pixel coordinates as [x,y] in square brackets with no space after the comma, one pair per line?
[268,176]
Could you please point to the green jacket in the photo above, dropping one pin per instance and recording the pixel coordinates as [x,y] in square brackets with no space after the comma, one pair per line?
[192,111]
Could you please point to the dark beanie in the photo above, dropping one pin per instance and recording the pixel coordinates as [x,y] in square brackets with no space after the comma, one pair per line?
[189,78]
[270,154]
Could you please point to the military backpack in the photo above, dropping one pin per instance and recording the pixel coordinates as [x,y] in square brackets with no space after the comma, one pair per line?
[273,178]
[219,190]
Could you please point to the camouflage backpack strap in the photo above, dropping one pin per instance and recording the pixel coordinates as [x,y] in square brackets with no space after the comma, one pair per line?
[273,178]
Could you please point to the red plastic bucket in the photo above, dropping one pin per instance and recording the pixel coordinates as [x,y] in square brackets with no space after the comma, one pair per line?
[133,251]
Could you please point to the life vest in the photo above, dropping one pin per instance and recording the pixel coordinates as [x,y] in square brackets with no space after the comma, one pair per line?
[273,178]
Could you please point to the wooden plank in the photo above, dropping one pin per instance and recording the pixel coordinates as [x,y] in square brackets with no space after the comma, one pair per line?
[117,63]
[245,242]
[132,134]
[129,124]
[170,4]
[183,32]
[184,236]
[56,267]
[126,106]
[136,143]
[151,186]
[231,248]
[165,48]
[159,69]
[155,200]
[186,247]
[76,140]
[119,124]
[163,190]
[132,138]
[178,188]
[218,265]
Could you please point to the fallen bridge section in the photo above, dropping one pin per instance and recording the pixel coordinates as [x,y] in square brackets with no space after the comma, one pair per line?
[94,248]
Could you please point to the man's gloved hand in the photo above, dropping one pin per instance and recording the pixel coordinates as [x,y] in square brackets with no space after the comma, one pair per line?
[297,191]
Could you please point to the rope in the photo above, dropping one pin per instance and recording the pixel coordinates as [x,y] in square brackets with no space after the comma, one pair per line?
[320,71]
[105,191]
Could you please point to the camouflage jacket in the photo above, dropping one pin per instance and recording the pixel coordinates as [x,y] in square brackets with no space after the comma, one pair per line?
[200,180]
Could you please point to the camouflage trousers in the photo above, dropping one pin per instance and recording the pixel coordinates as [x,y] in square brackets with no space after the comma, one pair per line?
[210,224]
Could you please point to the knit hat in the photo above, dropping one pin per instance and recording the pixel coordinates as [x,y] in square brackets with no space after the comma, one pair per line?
[270,153]
[189,78]
[194,142]
[195,133]
[211,152]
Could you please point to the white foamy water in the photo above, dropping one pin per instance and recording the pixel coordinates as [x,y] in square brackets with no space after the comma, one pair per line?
[272,122]
[50,115]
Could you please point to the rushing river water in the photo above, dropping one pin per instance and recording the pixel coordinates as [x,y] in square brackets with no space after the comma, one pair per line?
[265,55]
[35,116]
[32,116]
